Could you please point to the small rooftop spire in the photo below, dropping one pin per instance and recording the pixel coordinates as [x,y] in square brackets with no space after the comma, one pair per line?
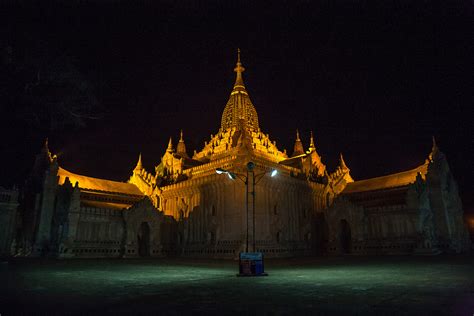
[342,163]
[239,69]
[139,165]
[45,150]
[181,147]
[311,143]
[170,146]
[435,146]
[298,148]
[435,152]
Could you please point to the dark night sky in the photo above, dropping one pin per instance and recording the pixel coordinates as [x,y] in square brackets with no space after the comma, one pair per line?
[374,82]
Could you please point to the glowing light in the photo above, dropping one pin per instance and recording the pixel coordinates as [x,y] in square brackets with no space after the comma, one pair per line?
[231,175]
[273,173]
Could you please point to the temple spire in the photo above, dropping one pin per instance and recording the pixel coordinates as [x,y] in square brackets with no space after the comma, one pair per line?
[239,105]
[311,143]
[45,150]
[434,146]
[342,163]
[239,69]
[435,152]
[170,146]
[298,148]
[181,147]
[46,146]
[139,165]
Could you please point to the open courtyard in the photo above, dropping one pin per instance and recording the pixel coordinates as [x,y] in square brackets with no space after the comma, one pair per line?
[342,285]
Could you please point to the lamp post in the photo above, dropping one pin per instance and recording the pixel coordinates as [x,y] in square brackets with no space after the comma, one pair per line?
[245,179]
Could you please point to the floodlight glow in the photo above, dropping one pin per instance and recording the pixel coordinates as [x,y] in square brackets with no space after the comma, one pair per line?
[220,171]
[273,173]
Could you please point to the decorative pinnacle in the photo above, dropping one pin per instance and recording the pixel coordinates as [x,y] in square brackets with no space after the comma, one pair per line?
[139,165]
[181,147]
[435,146]
[46,151]
[342,163]
[239,69]
[298,148]
[170,146]
[434,149]
[311,142]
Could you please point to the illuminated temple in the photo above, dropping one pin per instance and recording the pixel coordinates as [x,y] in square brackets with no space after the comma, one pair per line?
[184,208]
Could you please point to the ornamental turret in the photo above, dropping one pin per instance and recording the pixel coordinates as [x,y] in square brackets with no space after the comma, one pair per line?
[181,147]
[435,152]
[170,148]
[315,158]
[239,107]
[342,163]
[139,166]
[298,148]
[312,147]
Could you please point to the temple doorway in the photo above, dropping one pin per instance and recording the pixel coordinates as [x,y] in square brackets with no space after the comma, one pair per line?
[345,237]
[144,240]
[321,234]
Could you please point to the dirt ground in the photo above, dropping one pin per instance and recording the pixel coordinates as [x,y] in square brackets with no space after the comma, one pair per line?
[341,285]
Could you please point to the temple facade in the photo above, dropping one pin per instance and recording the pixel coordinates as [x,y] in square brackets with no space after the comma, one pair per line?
[285,205]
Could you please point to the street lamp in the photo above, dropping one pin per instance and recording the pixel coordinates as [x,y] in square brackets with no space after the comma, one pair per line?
[245,180]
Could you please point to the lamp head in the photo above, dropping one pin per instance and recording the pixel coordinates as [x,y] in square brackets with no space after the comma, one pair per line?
[231,175]
[250,166]
[273,173]
[220,171]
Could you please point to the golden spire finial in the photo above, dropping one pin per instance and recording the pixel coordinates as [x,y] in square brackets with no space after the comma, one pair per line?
[342,163]
[239,69]
[170,146]
[435,146]
[45,150]
[311,142]
[434,149]
[298,148]
[139,165]
[181,147]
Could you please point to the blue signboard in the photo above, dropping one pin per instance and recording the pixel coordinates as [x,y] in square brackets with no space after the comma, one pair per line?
[251,256]
[251,264]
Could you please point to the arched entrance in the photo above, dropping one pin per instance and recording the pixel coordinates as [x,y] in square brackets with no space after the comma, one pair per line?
[144,240]
[345,236]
